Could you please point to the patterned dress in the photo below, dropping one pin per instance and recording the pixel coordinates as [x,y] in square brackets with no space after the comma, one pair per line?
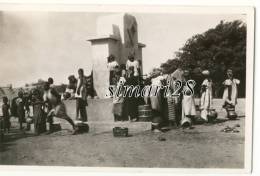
[39,117]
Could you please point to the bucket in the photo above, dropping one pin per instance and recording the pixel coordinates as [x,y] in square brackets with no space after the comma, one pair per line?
[212,115]
[144,113]
[231,114]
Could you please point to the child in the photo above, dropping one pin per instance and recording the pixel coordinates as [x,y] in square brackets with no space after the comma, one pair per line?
[6,114]
[38,113]
[22,106]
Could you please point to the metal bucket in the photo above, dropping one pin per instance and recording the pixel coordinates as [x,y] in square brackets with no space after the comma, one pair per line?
[144,113]
[212,115]
[231,114]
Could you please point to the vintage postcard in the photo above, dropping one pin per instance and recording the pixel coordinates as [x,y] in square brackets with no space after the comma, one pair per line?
[126,87]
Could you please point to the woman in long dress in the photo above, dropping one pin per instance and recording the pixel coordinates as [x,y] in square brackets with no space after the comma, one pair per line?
[230,91]
[131,100]
[206,96]
[188,102]
[38,113]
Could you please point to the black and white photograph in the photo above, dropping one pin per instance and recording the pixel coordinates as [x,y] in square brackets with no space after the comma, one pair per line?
[127,87]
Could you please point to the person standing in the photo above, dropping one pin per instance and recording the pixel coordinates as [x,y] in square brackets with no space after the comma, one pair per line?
[206,95]
[22,108]
[38,113]
[47,101]
[6,114]
[118,99]
[188,102]
[81,96]
[230,90]
[130,98]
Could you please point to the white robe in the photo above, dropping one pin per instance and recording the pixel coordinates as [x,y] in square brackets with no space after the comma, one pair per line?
[188,107]
[206,99]
[233,83]
[155,95]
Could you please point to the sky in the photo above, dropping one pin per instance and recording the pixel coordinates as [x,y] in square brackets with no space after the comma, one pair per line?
[38,45]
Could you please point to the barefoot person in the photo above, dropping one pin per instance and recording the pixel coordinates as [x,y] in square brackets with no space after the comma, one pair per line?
[206,95]
[81,96]
[59,109]
[39,117]
[230,90]
[188,102]
[22,108]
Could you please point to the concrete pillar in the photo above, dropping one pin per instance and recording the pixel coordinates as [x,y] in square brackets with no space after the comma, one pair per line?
[117,35]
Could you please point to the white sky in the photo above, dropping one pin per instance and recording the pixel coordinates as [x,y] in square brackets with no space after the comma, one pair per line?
[37,45]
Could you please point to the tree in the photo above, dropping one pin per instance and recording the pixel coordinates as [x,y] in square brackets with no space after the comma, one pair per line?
[217,49]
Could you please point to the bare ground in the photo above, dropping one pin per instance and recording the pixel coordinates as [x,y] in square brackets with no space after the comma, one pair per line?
[205,146]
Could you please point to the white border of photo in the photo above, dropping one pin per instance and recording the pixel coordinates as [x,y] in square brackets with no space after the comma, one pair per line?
[151,7]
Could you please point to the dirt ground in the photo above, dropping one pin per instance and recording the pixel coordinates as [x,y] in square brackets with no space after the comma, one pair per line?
[205,146]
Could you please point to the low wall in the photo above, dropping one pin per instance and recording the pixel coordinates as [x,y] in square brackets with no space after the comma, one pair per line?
[98,110]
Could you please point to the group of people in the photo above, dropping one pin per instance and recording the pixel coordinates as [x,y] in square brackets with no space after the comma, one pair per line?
[175,108]
[178,108]
[46,103]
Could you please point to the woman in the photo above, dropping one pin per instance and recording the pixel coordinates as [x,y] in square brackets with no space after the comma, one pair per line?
[188,102]
[206,95]
[38,113]
[157,100]
[230,90]
[22,108]
[131,100]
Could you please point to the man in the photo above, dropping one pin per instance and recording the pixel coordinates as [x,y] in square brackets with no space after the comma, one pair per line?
[81,96]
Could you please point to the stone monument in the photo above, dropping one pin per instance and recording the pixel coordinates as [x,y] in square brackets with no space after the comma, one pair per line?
[117,35]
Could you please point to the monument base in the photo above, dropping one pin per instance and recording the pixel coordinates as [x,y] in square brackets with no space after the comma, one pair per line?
[100,118]
[103,127]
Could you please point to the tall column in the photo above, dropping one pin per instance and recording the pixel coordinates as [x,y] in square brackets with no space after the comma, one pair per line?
[101,49]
